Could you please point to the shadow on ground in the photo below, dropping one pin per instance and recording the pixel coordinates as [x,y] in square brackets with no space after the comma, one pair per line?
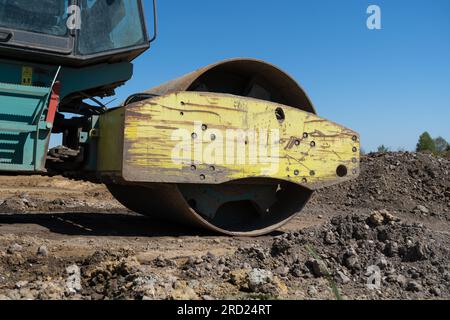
[104,224]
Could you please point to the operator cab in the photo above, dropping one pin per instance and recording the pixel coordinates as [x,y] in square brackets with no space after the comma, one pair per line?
[72,32]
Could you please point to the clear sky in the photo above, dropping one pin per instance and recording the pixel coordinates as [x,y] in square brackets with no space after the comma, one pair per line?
[390,85]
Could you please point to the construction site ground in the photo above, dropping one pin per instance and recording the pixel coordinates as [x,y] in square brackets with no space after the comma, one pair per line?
[384,236]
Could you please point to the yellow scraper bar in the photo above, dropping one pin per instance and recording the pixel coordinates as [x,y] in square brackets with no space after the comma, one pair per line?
[192,137]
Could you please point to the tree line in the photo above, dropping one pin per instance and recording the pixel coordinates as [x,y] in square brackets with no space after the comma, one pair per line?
[438,146]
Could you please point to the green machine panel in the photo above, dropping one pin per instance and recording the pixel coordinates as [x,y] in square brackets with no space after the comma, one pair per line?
[27,90]
[24,133]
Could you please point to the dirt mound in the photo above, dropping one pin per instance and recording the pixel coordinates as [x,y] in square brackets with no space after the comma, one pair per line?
[46,182]
[361,256]
[28,194]
[355,256]
[403,182]
[24,204]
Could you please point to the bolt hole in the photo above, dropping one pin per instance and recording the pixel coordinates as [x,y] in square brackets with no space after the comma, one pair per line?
[202,177]
[181,113]
[279,113]
[341,171]
[204,127]
[194,135]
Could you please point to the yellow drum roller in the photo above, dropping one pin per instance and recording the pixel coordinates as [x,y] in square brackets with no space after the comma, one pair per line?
[235,147]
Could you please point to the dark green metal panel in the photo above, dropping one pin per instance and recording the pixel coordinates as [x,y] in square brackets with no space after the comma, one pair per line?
[24,132]
[72,79]
[81,79]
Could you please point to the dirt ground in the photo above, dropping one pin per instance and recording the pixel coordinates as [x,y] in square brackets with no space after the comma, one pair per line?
[383,236]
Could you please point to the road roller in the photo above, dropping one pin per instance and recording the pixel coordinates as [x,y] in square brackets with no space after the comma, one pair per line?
[235,147]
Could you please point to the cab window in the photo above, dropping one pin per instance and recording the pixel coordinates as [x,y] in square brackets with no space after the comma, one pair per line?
[43,16]
[109,25]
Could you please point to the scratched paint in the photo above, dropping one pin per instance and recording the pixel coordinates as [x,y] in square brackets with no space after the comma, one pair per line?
[310,149]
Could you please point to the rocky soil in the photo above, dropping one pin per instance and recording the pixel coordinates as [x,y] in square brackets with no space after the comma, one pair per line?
[384,236]
[409,183]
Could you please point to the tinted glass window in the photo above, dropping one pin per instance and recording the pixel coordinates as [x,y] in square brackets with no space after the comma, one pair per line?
[109,24]
[41,16]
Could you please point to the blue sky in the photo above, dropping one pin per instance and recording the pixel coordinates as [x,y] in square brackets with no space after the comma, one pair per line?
[390,85]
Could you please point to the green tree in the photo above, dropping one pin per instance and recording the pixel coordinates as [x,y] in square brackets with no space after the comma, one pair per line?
[440,144]
[383,149]
[425,143]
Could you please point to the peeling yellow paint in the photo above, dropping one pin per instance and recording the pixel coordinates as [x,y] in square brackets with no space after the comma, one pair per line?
[308,149]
